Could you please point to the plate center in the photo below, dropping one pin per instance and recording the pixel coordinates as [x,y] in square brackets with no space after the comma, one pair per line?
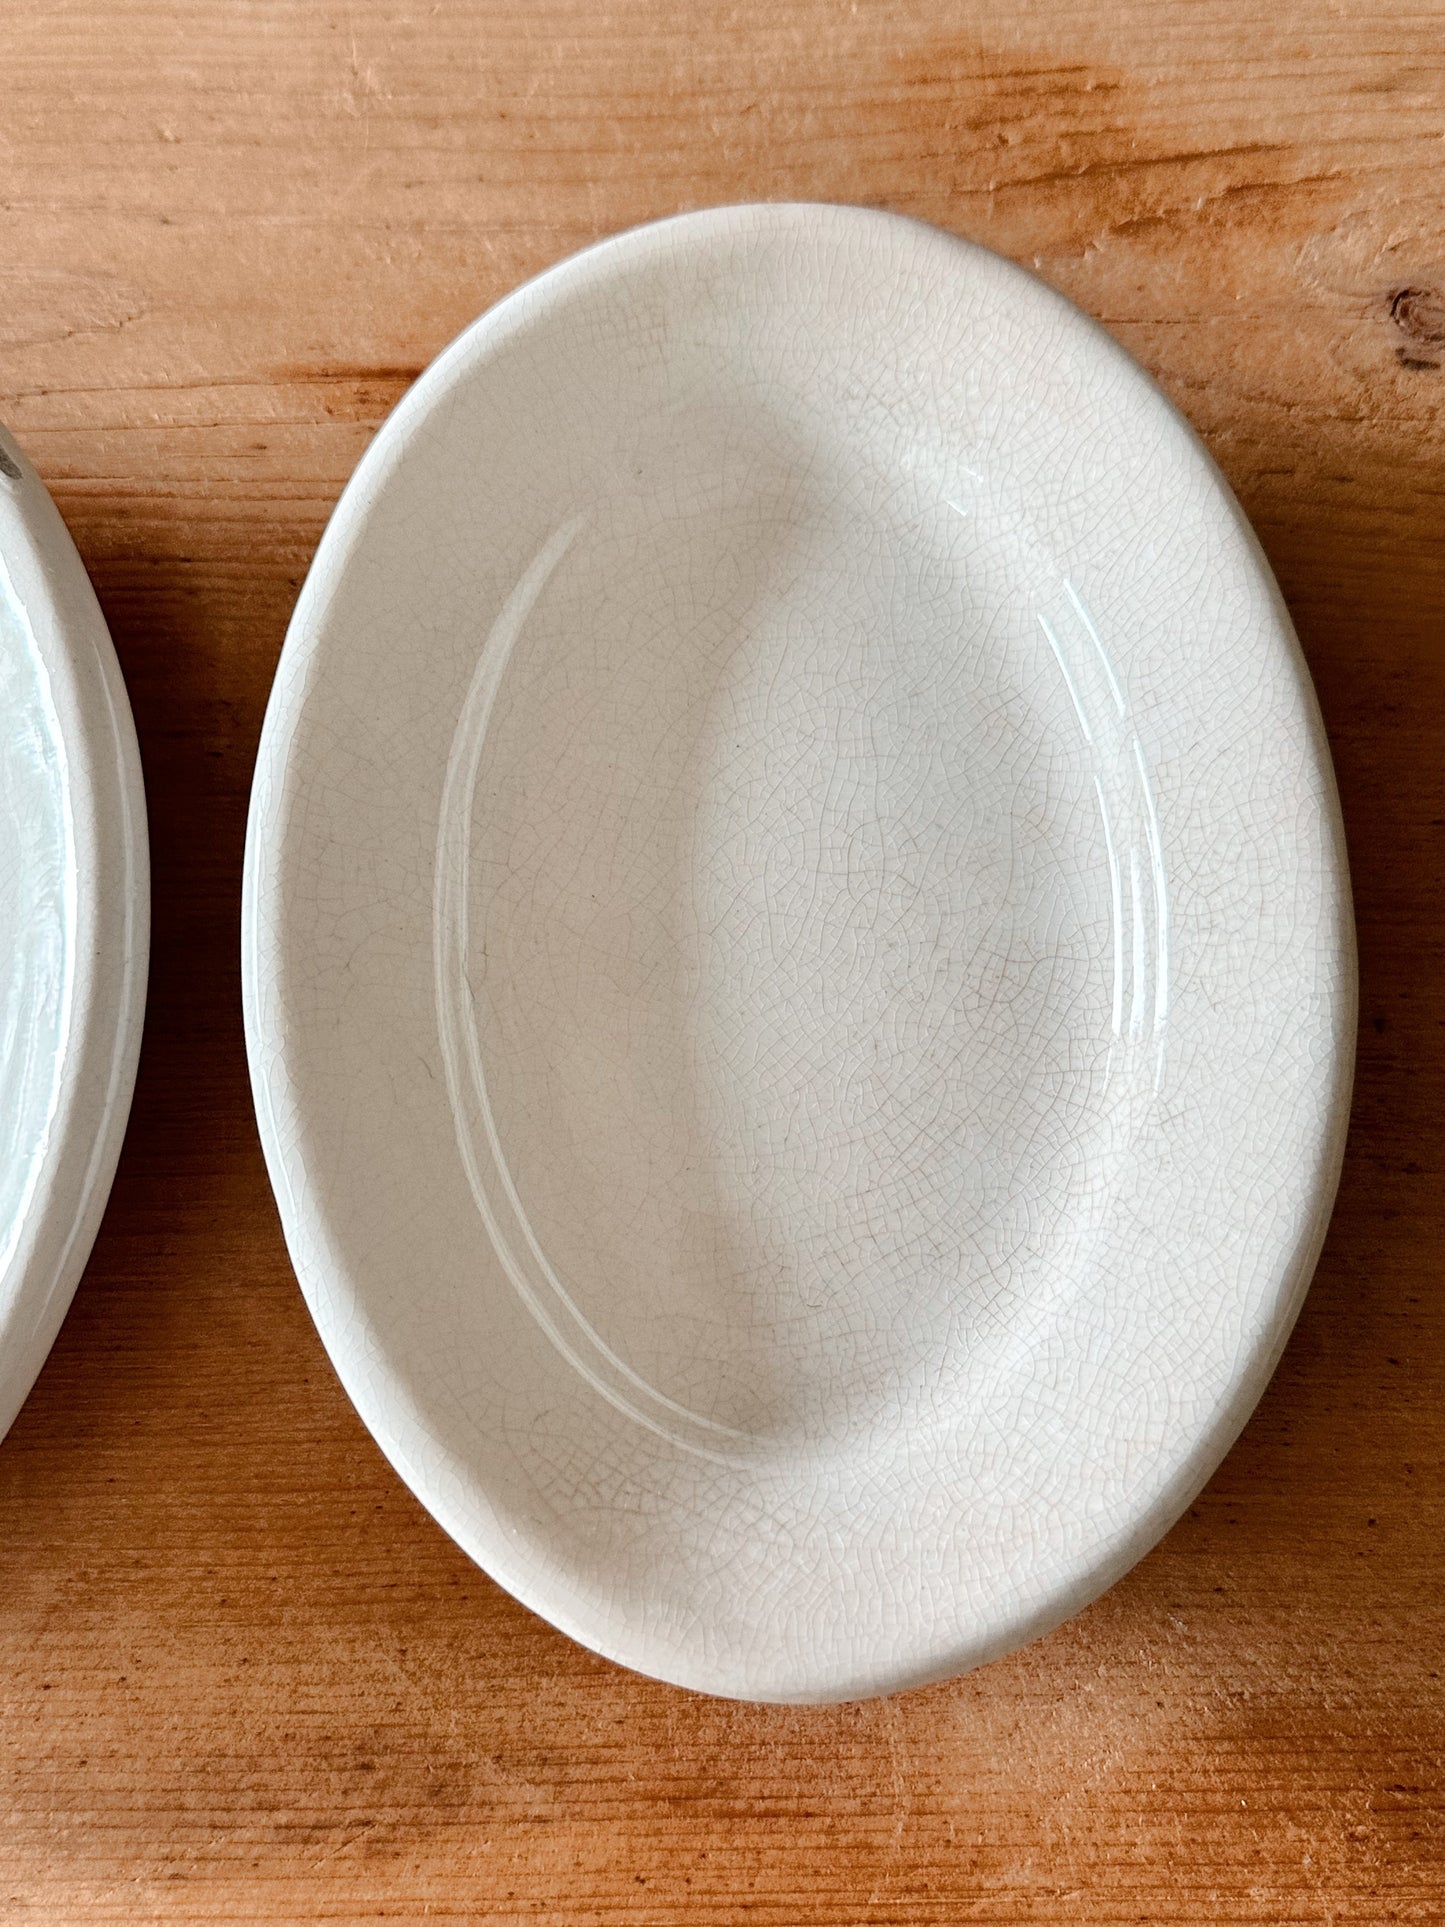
[788,1023]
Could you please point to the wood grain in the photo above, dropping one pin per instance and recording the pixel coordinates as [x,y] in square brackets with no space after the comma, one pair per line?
[242,1676]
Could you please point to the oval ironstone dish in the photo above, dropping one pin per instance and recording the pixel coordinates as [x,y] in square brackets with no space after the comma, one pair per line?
[799,967]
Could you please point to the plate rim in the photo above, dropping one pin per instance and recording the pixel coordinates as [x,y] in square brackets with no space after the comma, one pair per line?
[378,1394]
[105,795]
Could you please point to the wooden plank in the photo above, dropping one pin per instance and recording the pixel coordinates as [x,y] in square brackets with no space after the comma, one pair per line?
[242,1676]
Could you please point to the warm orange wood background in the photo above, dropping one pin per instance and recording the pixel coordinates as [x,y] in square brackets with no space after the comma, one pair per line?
[243,1677]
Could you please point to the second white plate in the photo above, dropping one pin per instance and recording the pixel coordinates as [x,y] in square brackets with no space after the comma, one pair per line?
[74,921]
[798,959]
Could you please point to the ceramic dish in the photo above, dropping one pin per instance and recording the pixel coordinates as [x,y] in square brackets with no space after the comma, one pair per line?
[74,921]
[798,959]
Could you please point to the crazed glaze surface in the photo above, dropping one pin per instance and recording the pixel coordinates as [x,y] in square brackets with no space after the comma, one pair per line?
[798,960]
[73,921]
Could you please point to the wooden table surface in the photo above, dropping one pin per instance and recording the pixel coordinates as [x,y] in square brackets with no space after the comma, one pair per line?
[243,1676]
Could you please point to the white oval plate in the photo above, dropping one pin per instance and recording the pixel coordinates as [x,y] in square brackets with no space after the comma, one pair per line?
[798,958]
[74,921]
